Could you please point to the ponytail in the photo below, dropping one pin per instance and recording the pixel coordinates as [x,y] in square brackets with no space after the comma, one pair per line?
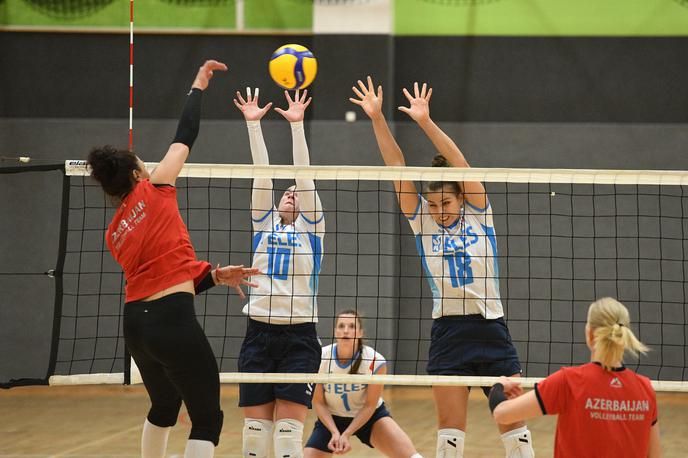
[612,335]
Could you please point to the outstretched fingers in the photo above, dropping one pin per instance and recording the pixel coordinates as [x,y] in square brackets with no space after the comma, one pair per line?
[286,94]
[407,94]
[363,87]
[241,99]
[427,98]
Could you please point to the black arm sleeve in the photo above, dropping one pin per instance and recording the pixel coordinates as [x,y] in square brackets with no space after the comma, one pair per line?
[206,283]
[190,121]
[496,396]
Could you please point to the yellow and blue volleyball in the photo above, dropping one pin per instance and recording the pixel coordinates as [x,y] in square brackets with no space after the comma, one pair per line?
[293,66]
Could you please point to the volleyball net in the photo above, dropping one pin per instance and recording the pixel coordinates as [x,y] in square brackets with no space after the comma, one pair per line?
[565,238]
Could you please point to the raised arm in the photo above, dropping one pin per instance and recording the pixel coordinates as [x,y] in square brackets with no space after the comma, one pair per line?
[419,111]
[261,198]
[309,200]
[371,102]
[187,130]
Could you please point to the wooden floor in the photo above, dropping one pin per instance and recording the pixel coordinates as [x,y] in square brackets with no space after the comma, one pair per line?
[89,421]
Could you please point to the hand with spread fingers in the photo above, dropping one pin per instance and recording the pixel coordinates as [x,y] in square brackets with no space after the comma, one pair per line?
[235,276]
[297,107]
[249,107]
[368,99]
[419,109]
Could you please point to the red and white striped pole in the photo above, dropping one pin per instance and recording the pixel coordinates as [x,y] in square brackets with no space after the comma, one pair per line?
[131,75]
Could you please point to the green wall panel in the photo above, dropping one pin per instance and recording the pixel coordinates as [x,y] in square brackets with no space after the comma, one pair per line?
[278,14]
[542,17]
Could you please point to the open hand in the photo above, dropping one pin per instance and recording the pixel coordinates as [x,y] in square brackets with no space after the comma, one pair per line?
[297,107]
[370,101]
[249,107]
[420,103]
[205,73]
[235,276]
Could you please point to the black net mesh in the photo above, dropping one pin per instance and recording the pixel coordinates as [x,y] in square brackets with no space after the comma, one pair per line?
[561,246]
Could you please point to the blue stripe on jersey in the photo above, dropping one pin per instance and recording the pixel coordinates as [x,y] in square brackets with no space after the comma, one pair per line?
[489,231]
[336,358]
[415,213]
[260,220]
[256,240]
[421,252]
[478,209]
[316,246]
[312,222]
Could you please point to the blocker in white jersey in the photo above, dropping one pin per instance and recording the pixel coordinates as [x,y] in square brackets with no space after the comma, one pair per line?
[281,335]
[290,256]
[347,399]
[460,261]
[455,237]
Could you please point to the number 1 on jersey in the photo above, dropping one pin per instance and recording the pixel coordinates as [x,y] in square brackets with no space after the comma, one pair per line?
[345,400]
[278,262]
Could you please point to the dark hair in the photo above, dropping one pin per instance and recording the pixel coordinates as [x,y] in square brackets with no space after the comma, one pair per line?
[112,168]
[359,343]
[441,161]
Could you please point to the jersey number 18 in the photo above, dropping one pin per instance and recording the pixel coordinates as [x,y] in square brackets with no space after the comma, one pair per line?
[460,270]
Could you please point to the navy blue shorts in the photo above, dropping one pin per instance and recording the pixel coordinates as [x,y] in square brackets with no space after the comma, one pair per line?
[287,348]
[472,345]
[321,436]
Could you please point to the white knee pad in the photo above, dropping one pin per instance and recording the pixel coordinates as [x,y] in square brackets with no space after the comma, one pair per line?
[450,443]
[518,443]
[288,438]
[257,437]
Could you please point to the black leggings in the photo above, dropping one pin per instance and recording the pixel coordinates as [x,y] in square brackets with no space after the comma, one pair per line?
[176,363]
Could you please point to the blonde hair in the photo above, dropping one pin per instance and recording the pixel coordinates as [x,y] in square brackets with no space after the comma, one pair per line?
[612,335]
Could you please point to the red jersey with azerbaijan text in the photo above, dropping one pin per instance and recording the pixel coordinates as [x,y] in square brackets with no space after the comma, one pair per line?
[601,413]
[148,238]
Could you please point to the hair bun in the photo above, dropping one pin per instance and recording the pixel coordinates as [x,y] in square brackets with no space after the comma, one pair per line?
[440,161]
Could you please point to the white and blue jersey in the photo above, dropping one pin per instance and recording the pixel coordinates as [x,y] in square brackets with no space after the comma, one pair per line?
[347,399]
[460,261]
[289,256]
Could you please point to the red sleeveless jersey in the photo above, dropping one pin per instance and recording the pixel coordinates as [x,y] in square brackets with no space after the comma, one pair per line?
[148,238]
[605,414]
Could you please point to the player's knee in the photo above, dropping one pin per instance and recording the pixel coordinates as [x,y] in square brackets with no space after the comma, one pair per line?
[518,443]
[288,438]
[206,426]
[164,414]
[450,443]
[257,436]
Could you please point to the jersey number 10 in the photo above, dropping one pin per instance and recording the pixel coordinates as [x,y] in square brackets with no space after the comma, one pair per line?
[278,262]
[460,270]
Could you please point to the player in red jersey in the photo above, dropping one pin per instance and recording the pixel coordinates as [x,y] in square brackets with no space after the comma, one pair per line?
[605,410]
[149,240]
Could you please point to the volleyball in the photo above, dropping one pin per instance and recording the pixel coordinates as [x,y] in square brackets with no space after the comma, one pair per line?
[293,66]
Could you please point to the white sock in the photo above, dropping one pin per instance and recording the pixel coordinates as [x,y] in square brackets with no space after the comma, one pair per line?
[288,438]
[416,455]
[154,440]
[518,443]
[450,443]
[199,449]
